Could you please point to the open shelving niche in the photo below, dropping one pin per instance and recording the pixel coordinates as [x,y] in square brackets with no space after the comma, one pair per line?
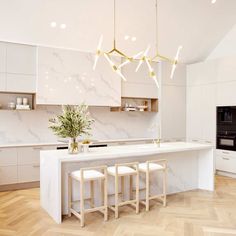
[6,97]
[151,103]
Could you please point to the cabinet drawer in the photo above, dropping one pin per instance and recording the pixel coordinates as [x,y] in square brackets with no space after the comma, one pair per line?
[226,163]
[8,157]
[8,175]
[31,155]
[28,173]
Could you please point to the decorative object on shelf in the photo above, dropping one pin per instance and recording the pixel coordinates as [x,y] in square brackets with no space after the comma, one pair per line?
[85,145]
[144,55]
[11,105]
[137,105]
[19,101]
[74,122]
[25,101]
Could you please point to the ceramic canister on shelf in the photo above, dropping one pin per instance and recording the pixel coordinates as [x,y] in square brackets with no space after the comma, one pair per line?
[19,101]
[25,101]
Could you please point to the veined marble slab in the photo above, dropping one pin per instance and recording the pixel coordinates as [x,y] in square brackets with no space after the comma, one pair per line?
[190,166]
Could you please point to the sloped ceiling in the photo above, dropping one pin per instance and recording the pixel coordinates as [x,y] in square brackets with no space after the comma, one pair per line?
[198,25]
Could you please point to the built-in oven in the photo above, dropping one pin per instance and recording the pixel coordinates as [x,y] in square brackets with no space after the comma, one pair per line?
[226,142]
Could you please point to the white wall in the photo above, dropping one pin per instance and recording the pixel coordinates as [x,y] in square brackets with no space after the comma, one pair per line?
[227,47]
[173,103]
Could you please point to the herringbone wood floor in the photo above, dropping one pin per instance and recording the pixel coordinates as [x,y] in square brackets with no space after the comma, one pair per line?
[194,213]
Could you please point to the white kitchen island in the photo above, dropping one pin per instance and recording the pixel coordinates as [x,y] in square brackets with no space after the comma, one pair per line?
[190,166]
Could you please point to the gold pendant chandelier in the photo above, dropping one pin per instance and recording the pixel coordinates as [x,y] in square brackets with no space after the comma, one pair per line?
[144,55]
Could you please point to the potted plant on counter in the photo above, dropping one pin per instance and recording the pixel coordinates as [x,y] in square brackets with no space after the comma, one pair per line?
[74,122]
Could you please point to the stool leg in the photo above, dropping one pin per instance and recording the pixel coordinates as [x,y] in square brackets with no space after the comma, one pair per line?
[82,203]
[122,187]
[91,193]
[105,199]
[116,197]
[69,195]
[164,187]
[147,191]
[137,193]
[131,187]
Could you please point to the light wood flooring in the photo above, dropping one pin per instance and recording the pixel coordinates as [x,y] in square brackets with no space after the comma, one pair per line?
[194,213]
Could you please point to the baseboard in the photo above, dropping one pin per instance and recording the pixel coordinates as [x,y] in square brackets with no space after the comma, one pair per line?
[227,174]
[18,186]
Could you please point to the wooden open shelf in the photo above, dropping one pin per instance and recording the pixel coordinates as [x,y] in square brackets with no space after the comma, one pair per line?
[6,97]
[151,103]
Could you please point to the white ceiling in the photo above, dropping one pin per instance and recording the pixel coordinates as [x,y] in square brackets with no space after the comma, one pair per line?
[196,24]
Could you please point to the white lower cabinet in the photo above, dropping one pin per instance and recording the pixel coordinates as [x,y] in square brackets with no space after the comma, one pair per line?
[20,165]
[28,173]
[8,175]
[28,163]
[226,161]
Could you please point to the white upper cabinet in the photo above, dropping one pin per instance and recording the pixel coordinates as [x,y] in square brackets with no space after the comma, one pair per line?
[21,68]
[67,77]
[17,68]
[139,84]
[3,54]
[21,59]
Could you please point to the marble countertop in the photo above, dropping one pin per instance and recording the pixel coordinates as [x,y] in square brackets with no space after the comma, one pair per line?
[64,142]
[124,151]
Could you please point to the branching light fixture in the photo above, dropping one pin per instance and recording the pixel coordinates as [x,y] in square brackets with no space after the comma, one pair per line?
[142,57]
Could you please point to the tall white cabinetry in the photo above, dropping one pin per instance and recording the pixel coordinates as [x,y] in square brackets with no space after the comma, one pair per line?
[17,68]
[201,102]
[67,77]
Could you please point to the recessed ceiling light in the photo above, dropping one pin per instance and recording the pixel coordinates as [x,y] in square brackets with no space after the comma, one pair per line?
[63,26]
[126,37]
[134,39]
[213,1]
[53,24]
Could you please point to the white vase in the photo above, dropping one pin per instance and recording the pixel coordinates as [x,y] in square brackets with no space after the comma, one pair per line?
[85,148]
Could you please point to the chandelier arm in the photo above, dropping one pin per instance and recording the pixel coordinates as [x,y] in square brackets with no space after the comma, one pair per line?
[172,61]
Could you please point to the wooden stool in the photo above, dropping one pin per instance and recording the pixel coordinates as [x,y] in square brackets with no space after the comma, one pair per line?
[84,175]
[147,168]
[122,170]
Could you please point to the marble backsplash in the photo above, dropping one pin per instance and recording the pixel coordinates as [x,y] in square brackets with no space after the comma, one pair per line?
[32,126]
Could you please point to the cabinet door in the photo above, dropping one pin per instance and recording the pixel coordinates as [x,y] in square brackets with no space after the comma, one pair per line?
[67,77]
[139,84]
[201,113]
[20,83]
[8,175]
[28,173]
[3,53]
[2,82]
[21,59]
[31,155]
[8,157]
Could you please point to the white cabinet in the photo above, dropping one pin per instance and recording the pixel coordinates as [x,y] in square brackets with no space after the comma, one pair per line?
[3,53]
[8,175]
[28,163]
[20,83]
[20,165]
[17,68]
[201,113]
[139,84]
[28,173]
[8,157]
[226,161]
[8,166]
[67,77]
[2,81]
[21,59]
